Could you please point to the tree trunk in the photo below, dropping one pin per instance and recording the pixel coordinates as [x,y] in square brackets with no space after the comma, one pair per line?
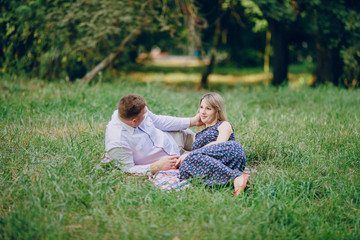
[328,66]
[281,51]
[109,59]
[267,53]
[204,80]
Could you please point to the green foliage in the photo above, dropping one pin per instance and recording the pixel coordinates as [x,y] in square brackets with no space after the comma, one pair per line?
[25,35]
[242,32]
[281,11]
[253,11]
[91,30]
[331,21]
[336,25]
[54,39]
[304,144]
[331,26]
[59,39]
[351,57]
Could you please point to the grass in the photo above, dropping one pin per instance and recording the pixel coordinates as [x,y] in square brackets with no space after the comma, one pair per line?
[304,142]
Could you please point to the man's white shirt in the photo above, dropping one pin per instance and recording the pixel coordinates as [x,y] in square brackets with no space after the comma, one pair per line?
[138,147]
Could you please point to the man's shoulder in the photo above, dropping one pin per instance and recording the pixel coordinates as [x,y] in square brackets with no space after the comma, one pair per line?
[112,126]
[116,136]
[117,128]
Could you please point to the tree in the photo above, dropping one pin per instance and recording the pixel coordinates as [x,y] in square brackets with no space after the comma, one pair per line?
[225,19]
[254,14]
[204,83]
[280,15]
[52,39]
[111,25]
[336,28]
[25,37]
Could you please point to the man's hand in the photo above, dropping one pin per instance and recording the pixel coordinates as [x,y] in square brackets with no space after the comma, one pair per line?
[164,164]
[196,121]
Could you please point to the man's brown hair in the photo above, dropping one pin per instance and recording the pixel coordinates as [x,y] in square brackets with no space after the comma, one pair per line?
[130,106]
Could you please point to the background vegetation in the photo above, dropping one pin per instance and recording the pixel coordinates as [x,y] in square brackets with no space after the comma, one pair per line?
[66,40]
[303,141]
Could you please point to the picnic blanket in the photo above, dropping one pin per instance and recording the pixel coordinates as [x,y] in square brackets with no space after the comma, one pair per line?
[168,180]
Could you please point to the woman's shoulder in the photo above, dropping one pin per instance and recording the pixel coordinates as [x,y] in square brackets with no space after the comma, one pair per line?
[224,124]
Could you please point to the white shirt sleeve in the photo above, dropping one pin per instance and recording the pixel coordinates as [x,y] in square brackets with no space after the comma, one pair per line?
[124,156]
[134,149]
[168,123]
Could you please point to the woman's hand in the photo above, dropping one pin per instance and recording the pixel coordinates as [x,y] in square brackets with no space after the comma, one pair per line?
[180,160]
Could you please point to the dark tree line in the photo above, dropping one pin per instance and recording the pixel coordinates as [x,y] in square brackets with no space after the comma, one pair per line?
[77,39]
[329,29]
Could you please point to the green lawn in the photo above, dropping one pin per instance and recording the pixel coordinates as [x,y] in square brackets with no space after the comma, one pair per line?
[304,144]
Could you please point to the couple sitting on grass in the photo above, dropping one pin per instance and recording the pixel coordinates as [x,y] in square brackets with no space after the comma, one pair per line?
[142,141]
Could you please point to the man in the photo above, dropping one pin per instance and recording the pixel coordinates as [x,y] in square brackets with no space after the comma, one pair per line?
[142,141]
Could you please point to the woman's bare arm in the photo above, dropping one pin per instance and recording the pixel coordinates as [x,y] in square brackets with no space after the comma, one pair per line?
[225,131]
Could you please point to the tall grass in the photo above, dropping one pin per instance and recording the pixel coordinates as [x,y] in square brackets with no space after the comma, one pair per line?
[304,143]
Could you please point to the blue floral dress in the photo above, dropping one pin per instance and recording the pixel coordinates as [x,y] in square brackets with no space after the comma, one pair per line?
[216,164]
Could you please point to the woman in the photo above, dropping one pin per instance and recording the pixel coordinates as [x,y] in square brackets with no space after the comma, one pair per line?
[216,157]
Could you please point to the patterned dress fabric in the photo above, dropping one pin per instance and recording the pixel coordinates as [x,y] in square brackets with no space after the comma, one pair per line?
[216,164]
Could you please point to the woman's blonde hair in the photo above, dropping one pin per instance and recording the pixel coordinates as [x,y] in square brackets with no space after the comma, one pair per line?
[217,102]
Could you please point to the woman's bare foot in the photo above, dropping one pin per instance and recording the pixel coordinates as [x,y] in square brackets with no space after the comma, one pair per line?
[240,183]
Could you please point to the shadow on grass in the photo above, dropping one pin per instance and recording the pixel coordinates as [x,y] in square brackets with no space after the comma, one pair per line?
[223,70]
[181,78]
[213,87]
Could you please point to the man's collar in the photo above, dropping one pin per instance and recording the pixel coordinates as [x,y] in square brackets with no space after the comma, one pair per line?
[128,128]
